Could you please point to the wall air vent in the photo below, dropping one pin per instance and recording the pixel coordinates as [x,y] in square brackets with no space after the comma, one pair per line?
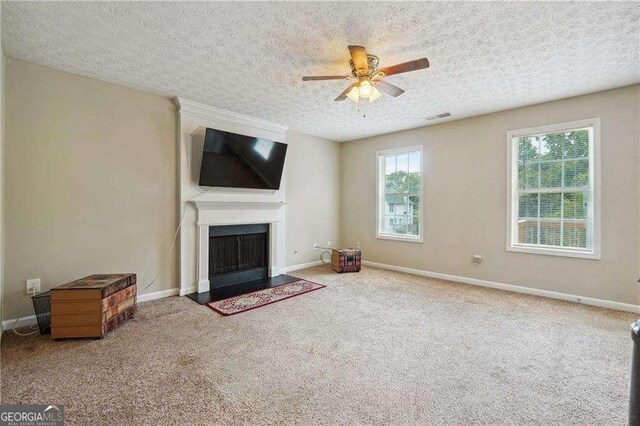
[438,116]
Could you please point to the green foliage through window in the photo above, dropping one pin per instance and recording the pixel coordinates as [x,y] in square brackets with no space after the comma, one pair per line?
[554,189]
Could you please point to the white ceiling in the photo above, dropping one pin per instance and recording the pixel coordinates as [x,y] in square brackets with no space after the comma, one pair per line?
[250,57]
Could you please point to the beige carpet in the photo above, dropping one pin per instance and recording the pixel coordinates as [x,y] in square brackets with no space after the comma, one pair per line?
[375,347]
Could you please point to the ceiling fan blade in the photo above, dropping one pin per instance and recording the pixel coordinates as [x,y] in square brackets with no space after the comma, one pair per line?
[325,77]
[359,57]
[389,88]
[418,64]
[343,95]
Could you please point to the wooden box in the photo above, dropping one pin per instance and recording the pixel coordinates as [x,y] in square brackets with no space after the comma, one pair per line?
[345,260]
[92,306]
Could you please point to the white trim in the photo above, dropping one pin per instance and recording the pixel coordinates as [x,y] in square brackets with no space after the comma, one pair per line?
[24,322]
[595,159]
[303,266]
[188,290]
[207,112]
[141,298]
[226,205]
[146,297]
[380,195]
[510,287]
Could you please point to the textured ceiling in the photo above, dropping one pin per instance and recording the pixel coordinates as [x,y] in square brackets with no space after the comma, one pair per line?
[250,57]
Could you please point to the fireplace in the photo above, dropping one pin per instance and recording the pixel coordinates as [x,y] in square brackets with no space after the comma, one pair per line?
[238,254]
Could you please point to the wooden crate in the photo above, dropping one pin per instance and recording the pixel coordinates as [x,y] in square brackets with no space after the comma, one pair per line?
[92,306]
[345,260]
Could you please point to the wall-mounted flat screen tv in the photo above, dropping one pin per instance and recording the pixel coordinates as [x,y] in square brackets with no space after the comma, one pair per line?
[238,161]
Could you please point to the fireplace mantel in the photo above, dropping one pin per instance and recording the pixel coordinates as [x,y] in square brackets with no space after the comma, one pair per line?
[220,213]
[224,206]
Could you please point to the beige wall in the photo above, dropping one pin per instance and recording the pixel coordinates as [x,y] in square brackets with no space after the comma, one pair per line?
[313,196]
[90,181]
[465,178]
[2,127]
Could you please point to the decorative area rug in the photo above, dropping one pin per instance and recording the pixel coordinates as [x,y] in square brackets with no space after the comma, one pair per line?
[246,302]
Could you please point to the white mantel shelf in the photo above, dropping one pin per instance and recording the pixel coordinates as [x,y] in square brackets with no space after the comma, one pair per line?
[232,205]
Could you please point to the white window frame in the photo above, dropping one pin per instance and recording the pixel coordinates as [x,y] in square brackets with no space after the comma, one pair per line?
[594,183]
[380,186]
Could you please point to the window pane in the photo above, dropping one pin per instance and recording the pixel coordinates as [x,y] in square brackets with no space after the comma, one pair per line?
[413,183]
[414,228]
[400,228]
[576,173]
[531,175]
[528,231]
[528,149]
[389,164]
[550,205]
[402,189]
[414,204]
[403,163]
[554,161]
[575,205]
[551,146]
[550,232]
[577,144]
[575,234]
[394,182]
[551,175]
[387,224]
[528,206]
[414,162]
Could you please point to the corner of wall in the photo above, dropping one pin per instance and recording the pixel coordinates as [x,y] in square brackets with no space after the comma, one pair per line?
[2,110]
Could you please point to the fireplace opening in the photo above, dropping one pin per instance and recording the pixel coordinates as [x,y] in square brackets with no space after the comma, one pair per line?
[237,254]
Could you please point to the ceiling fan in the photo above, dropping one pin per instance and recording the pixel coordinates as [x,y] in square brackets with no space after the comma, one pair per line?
[369,84]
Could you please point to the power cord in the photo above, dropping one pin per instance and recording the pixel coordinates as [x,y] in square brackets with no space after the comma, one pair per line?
[173,241]
[327,250]
[155,278]
[15,323]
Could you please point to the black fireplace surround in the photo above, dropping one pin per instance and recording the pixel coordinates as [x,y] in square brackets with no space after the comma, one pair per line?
[237,254]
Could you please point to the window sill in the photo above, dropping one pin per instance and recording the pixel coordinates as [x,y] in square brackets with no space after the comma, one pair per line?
[399,238]
[548,251]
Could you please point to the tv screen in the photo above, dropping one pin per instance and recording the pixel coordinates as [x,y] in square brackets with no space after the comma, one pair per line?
[238,161]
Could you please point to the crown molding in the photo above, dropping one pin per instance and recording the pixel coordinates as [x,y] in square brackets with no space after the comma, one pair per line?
[208,112]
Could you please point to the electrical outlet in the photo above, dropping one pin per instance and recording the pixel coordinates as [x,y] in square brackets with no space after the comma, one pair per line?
[477,259]
[315,247]
[33,286]
[329,244]
[358,245]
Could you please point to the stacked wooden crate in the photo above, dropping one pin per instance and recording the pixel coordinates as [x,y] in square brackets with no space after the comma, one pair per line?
[92,306]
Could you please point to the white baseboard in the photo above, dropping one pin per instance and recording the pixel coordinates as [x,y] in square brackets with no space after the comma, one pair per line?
[514,288]
[302,266]
[188,290]
[24,322]
[31,319]
[158,295]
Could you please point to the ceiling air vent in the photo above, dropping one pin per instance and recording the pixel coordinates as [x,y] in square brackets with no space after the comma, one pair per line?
[438,116]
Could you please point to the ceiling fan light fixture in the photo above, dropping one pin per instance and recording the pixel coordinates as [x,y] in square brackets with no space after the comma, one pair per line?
[365,88]
[375,94]
[353,94]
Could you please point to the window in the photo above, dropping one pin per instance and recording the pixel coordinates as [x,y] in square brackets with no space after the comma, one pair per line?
[400,194]
[553,191]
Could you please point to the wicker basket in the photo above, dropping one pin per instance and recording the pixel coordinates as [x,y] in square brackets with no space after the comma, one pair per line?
[345,260]
[42,306]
